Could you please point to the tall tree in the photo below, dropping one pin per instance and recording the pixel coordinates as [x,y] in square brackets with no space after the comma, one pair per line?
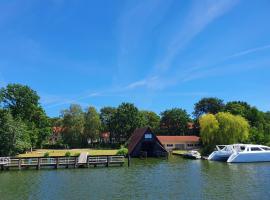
[150,119]
[174,122]
[21,100]
[260,124]
[14,135]
[126,119]
[92,125]
[223,128]
[73,126]
[208,105]
[23,103]
[106,116]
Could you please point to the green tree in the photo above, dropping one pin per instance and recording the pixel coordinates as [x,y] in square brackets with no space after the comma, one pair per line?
[126,119]
[223,128]
[209,129]
[208,105]
[232,128]
[73,126]
[258,121]
[23,103]
[21,100]
[14,135]
[92,124]
[106,116]
[236,108]
[150,119]
[174,122]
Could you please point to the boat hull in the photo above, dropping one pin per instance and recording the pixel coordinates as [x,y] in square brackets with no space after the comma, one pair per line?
[244,157]
[219,156]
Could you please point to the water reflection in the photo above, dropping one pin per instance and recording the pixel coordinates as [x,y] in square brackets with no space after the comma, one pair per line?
[175,178]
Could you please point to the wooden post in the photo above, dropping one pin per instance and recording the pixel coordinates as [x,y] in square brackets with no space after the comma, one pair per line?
[75,162]
[87,161]
[128,160]
[38,165]
[107,164]
[20,163]
[57,163]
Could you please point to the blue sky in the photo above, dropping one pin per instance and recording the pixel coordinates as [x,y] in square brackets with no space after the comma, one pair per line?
[156,54]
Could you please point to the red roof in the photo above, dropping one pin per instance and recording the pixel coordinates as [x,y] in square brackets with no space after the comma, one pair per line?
[191,138]
[105,135]
[57,129]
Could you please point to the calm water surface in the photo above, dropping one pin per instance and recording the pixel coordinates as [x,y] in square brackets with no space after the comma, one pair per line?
[175,178]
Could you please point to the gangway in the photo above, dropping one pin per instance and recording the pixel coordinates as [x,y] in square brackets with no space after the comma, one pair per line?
[83,158]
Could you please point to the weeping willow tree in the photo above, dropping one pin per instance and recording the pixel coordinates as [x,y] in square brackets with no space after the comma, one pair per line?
[222,128]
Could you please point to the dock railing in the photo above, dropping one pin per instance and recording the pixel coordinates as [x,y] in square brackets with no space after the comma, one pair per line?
[40,162]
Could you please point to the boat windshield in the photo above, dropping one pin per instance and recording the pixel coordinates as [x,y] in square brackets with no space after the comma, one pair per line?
[266,148]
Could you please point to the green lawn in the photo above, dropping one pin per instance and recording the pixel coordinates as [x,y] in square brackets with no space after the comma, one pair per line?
[180,152]
[56,152]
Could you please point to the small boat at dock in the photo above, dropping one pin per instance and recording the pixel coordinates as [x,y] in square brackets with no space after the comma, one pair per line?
[192,155]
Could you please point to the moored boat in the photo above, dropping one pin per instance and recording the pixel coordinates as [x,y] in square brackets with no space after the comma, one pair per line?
[222,153]
[251,153]
[192,155]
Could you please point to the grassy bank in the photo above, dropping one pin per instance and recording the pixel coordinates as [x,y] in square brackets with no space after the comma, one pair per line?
[179,152]
[62,152]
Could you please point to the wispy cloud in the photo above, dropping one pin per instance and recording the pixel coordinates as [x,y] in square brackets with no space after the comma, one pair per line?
[199,17]
[136,24]
[148,83]
[249,51]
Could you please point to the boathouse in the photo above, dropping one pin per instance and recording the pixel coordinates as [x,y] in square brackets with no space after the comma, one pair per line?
[143,142]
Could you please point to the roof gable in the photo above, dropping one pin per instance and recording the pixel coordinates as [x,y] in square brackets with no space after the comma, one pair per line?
[136,137]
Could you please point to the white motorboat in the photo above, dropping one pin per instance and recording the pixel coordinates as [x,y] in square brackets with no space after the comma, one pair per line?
[222,153]
[192,155]
[250,153]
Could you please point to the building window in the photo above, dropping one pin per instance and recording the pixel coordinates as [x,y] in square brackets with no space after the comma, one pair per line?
[169,145]
[148,136]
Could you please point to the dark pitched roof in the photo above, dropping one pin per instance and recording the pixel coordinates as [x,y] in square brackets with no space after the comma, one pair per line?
[135,138]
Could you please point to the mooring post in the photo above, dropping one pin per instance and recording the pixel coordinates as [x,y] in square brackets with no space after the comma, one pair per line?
[20,163]
[38,165]
[57,163]
[87,161]
[128,160]
[75,162]
[107,164]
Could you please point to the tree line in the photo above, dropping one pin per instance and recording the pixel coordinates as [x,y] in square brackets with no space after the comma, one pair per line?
[25,125]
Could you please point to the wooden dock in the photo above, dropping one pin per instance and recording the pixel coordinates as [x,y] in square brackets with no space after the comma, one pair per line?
[61,162]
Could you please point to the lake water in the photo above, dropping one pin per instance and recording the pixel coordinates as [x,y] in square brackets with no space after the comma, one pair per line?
[175,178]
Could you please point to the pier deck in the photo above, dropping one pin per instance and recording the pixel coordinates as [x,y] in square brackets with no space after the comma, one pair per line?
[57,162]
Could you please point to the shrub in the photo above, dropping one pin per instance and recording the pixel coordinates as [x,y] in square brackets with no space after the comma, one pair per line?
[122,151]
[67,154]
[77,154]
[46,155]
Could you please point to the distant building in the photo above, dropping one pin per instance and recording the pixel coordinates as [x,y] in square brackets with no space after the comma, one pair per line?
[144,143]
[179,142]
[104,137]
